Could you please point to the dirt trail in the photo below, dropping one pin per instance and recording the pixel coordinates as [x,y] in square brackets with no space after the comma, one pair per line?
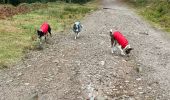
[71,69]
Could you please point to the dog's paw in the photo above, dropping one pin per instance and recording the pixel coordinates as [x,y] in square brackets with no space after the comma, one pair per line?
[78,35]
[123,54]
[112,51]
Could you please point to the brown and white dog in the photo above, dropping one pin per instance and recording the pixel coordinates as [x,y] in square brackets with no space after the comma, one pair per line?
[119,41]
[44,30]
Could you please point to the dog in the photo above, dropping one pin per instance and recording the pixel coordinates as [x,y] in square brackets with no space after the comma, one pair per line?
[43,31]
[117,39]
[77,27]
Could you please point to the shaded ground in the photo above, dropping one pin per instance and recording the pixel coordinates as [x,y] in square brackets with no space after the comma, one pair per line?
[69,69]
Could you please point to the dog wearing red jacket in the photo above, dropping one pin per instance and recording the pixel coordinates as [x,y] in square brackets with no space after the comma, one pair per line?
[44,30]
[117,39]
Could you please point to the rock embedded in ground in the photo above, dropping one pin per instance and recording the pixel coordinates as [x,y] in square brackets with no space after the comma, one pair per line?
[102,63]
[26,83]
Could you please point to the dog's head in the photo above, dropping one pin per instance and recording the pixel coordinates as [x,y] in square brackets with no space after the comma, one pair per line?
[40,33]
[128,49]
[110,32]
[77,26]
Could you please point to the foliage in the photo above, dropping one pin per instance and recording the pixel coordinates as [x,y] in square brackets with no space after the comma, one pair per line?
[17,2]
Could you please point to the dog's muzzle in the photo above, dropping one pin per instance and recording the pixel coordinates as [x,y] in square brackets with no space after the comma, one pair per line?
[77,30]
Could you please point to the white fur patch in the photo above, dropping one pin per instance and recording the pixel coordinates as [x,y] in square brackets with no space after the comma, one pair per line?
[127,47]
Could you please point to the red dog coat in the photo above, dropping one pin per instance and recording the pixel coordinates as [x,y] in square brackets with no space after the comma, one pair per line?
[120,39]
[44,27]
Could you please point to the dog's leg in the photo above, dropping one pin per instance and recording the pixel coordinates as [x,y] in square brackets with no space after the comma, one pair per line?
[45,37]
[49,30]
[79,30]
[40,40]
[112,41]
[121,50]
[113,45]
[113,49]
[75,36]
[40,43]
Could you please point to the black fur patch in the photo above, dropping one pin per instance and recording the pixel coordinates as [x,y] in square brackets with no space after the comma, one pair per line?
[40,33]
[128,50]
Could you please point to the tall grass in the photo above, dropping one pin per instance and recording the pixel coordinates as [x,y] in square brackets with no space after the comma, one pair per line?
[138,2]
[159,13]
[16,32]
[156,11]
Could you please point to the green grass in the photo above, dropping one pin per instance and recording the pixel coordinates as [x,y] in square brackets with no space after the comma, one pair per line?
[156,11]
[16,32]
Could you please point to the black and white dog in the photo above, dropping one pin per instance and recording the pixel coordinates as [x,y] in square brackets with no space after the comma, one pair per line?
[44,30]
[77,28]
[119,41]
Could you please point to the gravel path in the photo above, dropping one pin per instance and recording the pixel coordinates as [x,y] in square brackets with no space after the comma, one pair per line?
[69,69]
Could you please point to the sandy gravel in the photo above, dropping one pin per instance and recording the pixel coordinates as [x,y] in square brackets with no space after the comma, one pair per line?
[69,69]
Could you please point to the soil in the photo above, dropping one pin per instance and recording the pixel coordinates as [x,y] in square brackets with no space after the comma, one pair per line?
[69,69]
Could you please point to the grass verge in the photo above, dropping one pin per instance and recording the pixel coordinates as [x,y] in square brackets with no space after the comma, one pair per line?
[156,11]
[16,32]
